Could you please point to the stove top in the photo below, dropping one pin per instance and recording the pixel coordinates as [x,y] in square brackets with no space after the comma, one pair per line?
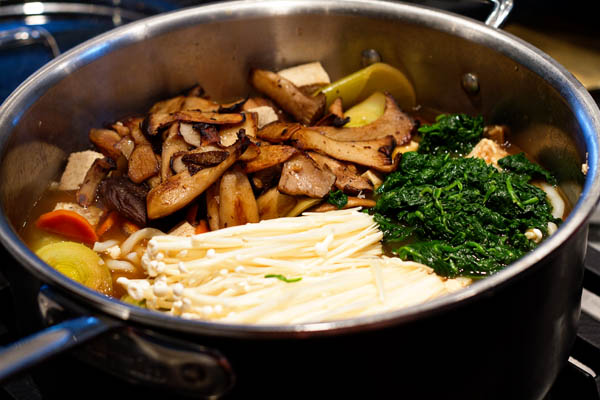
[32,33]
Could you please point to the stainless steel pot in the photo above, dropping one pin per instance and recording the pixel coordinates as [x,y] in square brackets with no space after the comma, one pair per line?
[504,337]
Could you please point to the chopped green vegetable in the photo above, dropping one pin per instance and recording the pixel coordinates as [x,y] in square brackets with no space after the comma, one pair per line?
[519,164]
[79,263]
[451,133]
[283,278]
[337,198]
[461,216]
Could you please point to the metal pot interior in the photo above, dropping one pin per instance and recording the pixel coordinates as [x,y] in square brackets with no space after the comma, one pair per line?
[128,69]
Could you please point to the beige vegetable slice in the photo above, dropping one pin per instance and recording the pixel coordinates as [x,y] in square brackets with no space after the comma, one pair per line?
[307,74]
[352,202]
[180,189]
[265,115]
[212,205]
[270,156]
[143,163]
[393,122]
[306,109]
[77,167]
[274,204]
[374,154]
[302,176]
[183,229]
[347,178]
[237,205]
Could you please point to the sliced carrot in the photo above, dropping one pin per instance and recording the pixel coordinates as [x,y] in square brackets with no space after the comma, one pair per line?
[129,227]
[69,224]
[202,227]
[111,220]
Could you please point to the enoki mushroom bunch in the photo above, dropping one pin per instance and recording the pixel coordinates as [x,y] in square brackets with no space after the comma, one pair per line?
[317,267]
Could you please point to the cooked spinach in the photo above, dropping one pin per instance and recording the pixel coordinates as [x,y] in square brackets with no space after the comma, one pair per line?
[337,198]
[519,164]
[461,216]
[451,133]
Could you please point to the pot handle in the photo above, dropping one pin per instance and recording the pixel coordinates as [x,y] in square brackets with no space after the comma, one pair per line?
[500,12]
[26,35]
[34,349]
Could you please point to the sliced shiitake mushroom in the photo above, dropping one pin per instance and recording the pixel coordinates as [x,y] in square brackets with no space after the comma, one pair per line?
[347,178]
[269,156]
[278,132]
[106,141]
[228,133]
[376,154]
[251,153]
[121,129]
[199,134]
[135,130]
[98,171]
[233,107]
[212,205]
[274,204]
[168,106]
[306,109]
[302,176]
[156,122]
[199,103]
[173,144]
[393,122]
[127,198]
[266,178]
[143,163]
[125,146]
[180,189]
[237,204]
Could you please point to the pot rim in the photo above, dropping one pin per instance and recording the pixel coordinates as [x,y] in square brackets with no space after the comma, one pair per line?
[583,106]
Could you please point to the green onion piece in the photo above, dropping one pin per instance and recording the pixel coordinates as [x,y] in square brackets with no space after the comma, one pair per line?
[283,278]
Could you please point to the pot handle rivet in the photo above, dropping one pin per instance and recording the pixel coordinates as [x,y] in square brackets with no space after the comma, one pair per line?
[470,83]
[369,56]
